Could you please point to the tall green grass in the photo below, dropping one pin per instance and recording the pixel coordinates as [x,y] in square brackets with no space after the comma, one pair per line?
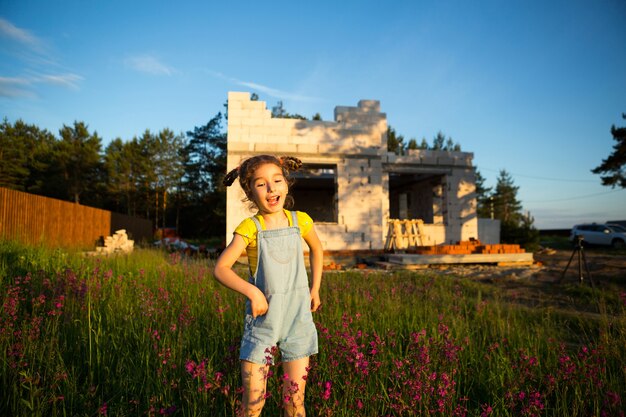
[152,333]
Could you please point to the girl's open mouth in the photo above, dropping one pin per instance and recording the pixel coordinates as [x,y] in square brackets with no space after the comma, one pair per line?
[273,200]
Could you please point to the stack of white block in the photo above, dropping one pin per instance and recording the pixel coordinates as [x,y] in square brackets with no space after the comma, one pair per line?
[119,242]
[356,144]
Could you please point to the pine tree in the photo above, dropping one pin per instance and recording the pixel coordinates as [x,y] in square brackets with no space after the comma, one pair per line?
[78,157]
[483,196]
[515,227]
[506,206]
[25,156]
[614,166]
[395,142]
[439,142]
[204,200]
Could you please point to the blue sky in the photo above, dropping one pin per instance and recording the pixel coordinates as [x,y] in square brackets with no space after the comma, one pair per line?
[532,87]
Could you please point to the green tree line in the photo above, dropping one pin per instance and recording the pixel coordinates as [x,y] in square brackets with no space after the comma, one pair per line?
[175,179]
[171,179]
[501,203]
[396,143]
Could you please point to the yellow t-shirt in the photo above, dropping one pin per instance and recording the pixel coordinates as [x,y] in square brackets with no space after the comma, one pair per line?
[247,230]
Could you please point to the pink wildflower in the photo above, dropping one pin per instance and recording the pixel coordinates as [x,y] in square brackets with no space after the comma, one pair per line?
[327,390]
[487,410]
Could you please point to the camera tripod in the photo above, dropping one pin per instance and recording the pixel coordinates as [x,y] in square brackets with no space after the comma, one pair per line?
[578,249]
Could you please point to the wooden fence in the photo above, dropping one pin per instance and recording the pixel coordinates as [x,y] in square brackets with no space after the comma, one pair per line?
[34,219]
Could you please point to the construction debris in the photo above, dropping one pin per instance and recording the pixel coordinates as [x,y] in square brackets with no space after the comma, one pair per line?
[403,234]
[472,251]
[119,242]
[332,266]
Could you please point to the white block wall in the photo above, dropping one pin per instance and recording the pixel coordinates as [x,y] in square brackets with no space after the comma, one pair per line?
[356,143]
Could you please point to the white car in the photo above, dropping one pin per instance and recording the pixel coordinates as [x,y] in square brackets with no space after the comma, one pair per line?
[600,234]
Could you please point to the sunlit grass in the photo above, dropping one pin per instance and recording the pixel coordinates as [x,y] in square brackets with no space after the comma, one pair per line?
[152,333]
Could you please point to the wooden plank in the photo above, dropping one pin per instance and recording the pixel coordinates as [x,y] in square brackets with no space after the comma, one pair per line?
[518,263]
[390,266]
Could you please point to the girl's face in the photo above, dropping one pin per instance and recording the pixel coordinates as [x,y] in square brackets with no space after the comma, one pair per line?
[269,188]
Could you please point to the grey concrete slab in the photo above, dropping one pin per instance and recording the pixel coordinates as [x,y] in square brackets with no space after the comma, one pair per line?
[412,259]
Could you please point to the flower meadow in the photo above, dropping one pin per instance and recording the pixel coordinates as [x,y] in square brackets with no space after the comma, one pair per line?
[153,334]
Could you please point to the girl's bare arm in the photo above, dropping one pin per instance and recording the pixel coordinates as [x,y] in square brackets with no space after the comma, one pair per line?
[316,258]
[226,276]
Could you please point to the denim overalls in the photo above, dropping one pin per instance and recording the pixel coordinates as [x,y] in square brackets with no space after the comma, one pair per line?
[282,277]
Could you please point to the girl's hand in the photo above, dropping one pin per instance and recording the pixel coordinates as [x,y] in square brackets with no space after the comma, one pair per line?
[315,300]
[258,303]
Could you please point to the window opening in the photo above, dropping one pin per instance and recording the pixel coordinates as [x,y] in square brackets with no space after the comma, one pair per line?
[315,191]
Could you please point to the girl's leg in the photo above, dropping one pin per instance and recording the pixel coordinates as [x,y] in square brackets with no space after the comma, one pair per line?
[254,378]
[294,383]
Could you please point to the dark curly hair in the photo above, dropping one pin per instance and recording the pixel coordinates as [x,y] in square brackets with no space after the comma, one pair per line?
[246,170]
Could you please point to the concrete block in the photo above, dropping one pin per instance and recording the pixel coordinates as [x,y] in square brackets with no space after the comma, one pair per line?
[263,130]
[339,113]
[279,129]
[236,113]
[252,121]
[445,159]
[270,148]
[464,160]
[278,139]
[307,148]
[238,96]
[299,140]
[376,180]
[238,132]
[390,158]
[369,150]
[370,105]
[428,160]
[328,148]
[255,137]
[283,125]
[255,105]
[232,105]
[240,146]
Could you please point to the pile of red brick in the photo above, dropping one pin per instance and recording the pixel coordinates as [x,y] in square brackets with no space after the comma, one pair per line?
[332,266]
[466,248]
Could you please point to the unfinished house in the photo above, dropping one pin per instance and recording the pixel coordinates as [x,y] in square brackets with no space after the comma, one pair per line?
[351,185]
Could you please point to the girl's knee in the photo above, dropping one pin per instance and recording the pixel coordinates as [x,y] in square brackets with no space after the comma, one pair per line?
[252,408]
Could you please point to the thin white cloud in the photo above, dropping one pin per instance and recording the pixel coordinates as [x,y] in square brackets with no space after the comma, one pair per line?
[272,92]
[38,66]
[65,80]
[148,64]
[22,36]
[13,87]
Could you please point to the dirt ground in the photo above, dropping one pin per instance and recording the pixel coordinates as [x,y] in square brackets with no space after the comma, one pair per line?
[547,282]
[604,265]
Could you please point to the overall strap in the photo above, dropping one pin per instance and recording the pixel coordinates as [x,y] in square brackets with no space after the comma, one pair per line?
[257,223]
[294,218]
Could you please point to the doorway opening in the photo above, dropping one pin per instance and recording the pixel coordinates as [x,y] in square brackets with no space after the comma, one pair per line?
[417,196]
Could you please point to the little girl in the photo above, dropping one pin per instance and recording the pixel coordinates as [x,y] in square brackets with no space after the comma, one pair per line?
[279,301]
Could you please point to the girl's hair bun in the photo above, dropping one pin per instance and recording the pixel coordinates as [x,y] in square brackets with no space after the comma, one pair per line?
[291,163]
[231,177]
